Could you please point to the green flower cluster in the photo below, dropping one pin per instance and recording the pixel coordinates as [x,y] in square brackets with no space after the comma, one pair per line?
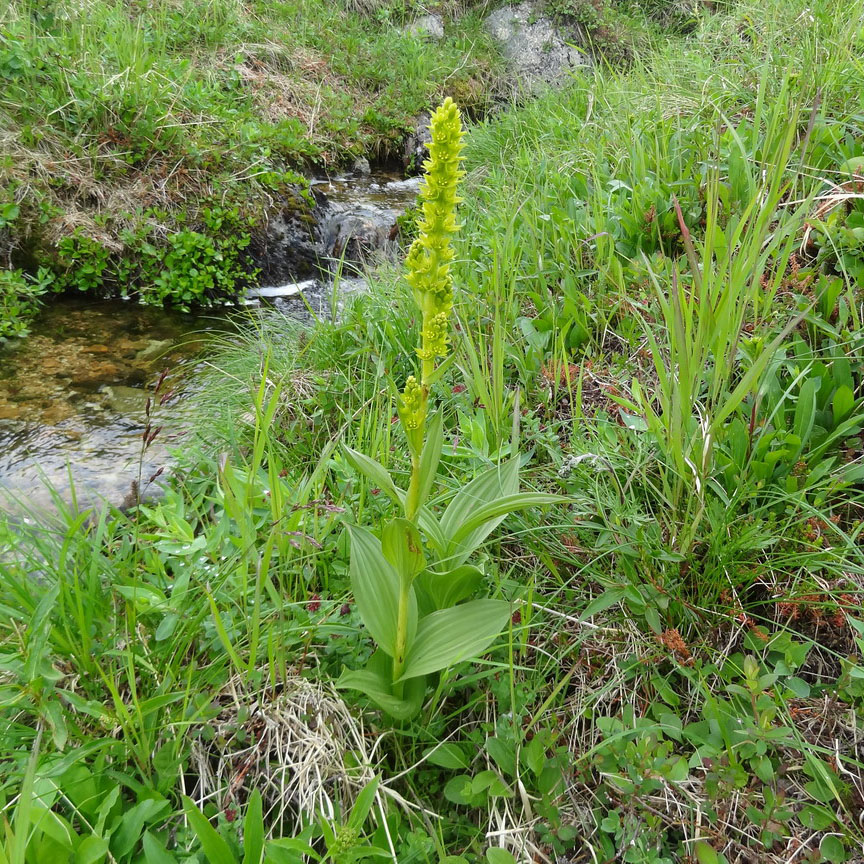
[428,264]
[412,406]
[428,260]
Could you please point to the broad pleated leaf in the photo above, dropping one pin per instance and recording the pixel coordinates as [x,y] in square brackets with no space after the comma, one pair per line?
[444,590]
[431,528]
[491,484]
[452,635]
[378,474]
[431,454]
[489,513]
[498,482]
[373,471]
[403,548]
[375,682]
[376,589]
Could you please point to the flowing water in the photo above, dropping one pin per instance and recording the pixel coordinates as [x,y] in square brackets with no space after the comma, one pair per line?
[74,394]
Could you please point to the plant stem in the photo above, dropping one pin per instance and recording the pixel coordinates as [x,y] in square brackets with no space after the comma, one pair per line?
[401,634]
[412,507]
[412,499]
[428,266]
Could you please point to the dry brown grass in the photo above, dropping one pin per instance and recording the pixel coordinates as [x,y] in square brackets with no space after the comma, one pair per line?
[290,743]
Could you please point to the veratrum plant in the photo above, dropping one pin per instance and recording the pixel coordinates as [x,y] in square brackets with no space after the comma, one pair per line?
[412,583]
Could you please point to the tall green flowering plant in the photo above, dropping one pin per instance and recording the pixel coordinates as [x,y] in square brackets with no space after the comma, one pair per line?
[412,583]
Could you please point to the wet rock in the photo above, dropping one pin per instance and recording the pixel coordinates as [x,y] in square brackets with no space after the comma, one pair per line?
[53,365]
[155,348]
[362,167]
[325,299]
[410,186]
[290,246]
[415,150]
[354,219]
[355,234]
[95,373]
[537,54]
[10,411]
[127,401]
[427,26]
[96,349]
[57,413]
[63,405]
[133,346]
[350,287]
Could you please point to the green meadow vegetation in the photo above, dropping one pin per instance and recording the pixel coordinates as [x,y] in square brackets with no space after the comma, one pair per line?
[146,145]
[580,582]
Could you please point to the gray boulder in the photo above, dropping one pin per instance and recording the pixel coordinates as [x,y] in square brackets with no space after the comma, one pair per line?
[356,234]
[428,26]
[537,54]
[290,247]
[361,166]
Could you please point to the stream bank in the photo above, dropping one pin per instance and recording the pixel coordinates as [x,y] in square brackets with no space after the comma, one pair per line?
[74,394]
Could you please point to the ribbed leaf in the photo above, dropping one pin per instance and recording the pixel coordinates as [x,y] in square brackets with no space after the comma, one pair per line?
[451,635]
[490,513]
[444,590]
[376,589]
[403,548]
[498,482]
[375,683]
[431,528]
[373,471]
[431,454]
[378,474]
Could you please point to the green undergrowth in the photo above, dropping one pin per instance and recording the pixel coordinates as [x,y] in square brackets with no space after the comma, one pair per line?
[657,300]
[146,145]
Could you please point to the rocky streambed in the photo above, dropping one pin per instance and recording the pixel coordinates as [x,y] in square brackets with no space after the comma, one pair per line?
[76,396]
[73,400]
[352,225]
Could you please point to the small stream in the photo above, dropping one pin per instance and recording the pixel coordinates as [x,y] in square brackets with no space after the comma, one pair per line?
[73,399]
[74,394]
